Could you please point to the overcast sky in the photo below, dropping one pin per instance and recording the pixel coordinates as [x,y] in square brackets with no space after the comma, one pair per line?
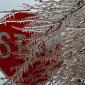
[8,5]
[13,4]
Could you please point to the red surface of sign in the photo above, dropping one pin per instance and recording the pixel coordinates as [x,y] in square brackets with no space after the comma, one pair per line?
[8,35]
[19,15]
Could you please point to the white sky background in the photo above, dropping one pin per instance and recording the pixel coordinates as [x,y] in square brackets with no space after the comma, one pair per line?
[8,5]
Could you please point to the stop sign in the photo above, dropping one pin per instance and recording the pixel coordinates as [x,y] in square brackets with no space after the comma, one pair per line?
[9,36]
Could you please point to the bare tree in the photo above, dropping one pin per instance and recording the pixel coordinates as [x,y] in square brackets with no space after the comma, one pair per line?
[62,41]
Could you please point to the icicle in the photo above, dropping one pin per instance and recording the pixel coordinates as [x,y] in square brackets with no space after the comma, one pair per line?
[21,76]
[5,23]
